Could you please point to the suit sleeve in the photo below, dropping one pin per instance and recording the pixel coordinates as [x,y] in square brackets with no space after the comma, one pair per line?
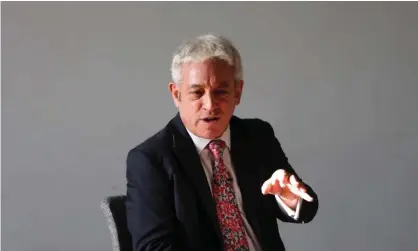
[150,210]
[278,160]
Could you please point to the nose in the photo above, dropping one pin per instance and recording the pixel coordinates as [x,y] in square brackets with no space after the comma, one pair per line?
[208,102]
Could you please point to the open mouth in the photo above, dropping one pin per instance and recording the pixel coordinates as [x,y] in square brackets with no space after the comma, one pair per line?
[211,119]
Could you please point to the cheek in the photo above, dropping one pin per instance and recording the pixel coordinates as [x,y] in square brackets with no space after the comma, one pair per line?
[195,106]
[192,107]
[228,104]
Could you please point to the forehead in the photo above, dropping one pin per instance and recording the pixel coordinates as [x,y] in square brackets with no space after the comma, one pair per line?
[208,72]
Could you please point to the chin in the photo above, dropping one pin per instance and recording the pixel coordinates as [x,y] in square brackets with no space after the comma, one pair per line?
[213,132]
[213,135]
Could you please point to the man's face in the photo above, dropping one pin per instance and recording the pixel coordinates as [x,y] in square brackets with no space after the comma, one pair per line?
[207,97]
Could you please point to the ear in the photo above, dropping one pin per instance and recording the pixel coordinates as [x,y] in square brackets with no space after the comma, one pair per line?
[175,93]
[238,91]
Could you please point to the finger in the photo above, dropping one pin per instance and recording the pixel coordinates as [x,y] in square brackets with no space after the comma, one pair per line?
[266,187]
[301,194]
[285,181]
[293,181]
[281,176]
[276,187]
[297,184]
[271,186]
[293,189]
[278,180]
[306,196]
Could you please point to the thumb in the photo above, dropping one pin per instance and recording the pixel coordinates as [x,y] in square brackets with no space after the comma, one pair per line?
[269,186]
[265,188]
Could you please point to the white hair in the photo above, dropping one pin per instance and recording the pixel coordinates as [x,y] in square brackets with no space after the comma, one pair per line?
[205,47]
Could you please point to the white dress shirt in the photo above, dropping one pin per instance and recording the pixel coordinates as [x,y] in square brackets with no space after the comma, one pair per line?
[205,158]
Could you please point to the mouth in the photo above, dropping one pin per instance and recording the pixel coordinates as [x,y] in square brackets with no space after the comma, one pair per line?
[211,119]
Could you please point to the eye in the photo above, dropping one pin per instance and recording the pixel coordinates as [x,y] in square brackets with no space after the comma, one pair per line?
[196,93]
[221,92]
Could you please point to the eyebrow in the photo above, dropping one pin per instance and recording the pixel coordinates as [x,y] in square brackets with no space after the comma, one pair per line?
[195,86]
[223,84]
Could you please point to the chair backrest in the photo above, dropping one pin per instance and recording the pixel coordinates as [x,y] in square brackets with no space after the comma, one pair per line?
[113,207]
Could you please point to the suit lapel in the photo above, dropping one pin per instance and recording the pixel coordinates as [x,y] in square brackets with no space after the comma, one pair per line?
[245,163]
[185,151]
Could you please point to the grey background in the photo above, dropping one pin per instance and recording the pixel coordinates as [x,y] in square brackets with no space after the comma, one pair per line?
[82,83]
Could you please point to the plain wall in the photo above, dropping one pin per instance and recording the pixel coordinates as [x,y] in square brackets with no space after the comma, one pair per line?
[82,83]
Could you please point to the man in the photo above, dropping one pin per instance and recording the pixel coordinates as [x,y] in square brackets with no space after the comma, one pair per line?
[210,180]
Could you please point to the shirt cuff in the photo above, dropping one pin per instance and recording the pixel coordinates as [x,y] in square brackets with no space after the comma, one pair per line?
[292,213]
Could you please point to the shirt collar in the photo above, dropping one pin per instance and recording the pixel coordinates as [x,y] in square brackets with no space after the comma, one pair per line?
[201,143]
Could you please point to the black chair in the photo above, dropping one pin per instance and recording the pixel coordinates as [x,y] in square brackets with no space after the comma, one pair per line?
[113,208]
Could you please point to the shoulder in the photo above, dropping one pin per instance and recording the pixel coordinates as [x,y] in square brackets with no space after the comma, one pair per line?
[155,147]
[253,125]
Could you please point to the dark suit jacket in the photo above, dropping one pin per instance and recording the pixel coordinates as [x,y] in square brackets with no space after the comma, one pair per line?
[169,204]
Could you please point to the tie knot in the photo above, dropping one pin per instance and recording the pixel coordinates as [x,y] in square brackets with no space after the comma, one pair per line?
[217,147]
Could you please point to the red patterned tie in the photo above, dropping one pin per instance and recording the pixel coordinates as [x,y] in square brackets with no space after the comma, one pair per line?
[232,226]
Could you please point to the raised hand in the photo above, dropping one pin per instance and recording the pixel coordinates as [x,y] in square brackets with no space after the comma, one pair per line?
[286,186]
